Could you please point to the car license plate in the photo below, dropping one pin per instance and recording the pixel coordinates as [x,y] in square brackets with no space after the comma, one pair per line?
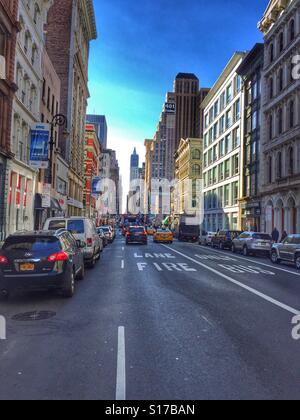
[27,267]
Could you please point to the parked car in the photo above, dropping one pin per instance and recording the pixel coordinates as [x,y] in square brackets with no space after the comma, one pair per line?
[136,234]
[103,237]
[40,261]
[206,238]
[83,229]
[108,233]
[288,251]
[224,238]
[252,243]
[163,236]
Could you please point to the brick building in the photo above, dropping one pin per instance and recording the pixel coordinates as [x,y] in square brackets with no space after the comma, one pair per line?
[91,168]
[71,27]
[8,33]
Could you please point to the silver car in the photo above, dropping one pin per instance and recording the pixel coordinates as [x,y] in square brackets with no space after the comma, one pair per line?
[252,243]
[288,251]
[206,238]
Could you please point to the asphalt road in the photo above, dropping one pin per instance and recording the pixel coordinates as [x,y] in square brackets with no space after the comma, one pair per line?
[157,323]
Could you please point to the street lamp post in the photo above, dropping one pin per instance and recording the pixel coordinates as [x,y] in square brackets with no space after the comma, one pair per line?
[58,120]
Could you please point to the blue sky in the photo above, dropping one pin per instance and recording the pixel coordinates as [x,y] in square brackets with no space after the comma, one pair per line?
[143,45]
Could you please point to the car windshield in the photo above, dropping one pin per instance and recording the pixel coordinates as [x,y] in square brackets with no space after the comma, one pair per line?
[32,244]
[76,226]
[262,236]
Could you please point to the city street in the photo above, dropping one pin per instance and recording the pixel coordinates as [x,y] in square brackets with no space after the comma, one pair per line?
[158,322]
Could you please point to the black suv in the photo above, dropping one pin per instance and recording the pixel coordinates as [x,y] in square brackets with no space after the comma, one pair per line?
[137,234]
[40,261]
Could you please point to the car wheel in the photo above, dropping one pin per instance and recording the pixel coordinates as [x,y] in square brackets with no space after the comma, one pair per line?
[298,262]
[274,258]
[81,273]
[69,291]
[245,251]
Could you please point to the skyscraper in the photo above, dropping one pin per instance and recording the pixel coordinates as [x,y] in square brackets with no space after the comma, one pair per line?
[186,89]
[100,124]
[134,166]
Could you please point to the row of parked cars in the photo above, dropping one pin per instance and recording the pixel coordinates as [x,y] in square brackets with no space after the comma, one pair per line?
[255,243]
[54,258]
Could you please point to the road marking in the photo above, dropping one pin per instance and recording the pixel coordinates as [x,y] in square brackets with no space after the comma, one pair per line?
[243,286]
[257,262]
[122,264]
[121,366]
[123,249]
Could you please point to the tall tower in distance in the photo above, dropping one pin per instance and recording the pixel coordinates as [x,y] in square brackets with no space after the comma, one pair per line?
[134,166]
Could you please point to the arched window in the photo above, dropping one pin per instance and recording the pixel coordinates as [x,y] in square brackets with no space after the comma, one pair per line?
[196,154]
[291,161]
[27,41]
[196,170]
[292,30]
[34,54]
[280,121]
[292,114]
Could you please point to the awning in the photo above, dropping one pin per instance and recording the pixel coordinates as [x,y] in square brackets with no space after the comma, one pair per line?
[55,206]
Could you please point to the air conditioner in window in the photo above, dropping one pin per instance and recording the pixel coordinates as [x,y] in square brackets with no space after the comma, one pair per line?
[2,67]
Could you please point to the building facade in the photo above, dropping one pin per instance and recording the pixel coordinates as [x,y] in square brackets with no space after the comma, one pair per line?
[70,29]
[99,121]
[49,107]
[251,73]
[91,169]
[9,28]
[22,177]
[280,151]
[222,149]
[189,170]
[110,171]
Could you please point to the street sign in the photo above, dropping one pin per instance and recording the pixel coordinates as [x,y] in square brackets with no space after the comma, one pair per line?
[39,147]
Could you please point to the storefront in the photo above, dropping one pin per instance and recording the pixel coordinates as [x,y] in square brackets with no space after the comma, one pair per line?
[251,217]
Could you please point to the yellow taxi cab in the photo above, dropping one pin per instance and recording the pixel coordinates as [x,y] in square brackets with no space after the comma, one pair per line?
[151,231]
[163,236]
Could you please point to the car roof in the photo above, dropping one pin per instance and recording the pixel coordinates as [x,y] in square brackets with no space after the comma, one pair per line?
[37,233]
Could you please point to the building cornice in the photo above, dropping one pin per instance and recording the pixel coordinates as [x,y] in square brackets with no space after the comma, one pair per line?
[273,13]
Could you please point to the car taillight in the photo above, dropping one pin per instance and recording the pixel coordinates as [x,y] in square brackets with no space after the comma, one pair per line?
[59,256]
[89,242]
[3,259]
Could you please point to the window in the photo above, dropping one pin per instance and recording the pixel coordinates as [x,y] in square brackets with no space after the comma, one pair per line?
[280,80]
[280,121]
[271,88]
[270,170]
[292,30]
[2,43]
[196,154]
[228,144]
[281,42]
[271,127]
[291,161]
[196,170]
[237,110]
[236,138]
[292,114]
[279,165]
[36,13]
[271,53]
[229,93]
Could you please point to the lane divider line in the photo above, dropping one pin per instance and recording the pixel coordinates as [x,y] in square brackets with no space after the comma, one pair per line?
[121,367]
[243,286]
[122,264]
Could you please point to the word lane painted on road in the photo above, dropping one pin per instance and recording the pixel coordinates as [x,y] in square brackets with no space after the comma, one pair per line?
[162,266]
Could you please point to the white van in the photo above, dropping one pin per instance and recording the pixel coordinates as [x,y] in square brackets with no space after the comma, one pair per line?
[83,229]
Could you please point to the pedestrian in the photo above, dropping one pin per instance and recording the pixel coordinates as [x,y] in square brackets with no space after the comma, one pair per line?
[275,235]
[284,236]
